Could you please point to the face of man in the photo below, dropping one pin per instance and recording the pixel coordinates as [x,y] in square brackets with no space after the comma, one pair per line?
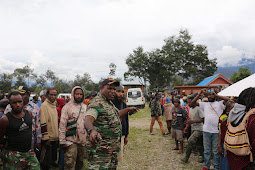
[78,96]
[189,103]
[120,94]
[108,91]
[158,96]
[16,103]
[176,104]
[25,98]
[211,97]
[52,96]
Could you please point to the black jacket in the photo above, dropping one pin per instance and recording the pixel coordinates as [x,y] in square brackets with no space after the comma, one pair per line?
[124,119]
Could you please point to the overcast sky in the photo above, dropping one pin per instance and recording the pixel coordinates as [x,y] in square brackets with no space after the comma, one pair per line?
[75,36]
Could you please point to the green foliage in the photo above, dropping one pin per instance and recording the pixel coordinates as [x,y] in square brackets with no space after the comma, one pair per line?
[112,67]
[50,75]
[137,64]
[243,72]
[179,56]
[5,82]
[177,81]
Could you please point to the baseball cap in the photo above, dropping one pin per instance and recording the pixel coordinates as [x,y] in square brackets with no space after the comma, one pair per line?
[24,90]
[110,81]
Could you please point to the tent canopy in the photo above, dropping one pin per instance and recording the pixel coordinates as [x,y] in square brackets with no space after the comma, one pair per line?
[238,87]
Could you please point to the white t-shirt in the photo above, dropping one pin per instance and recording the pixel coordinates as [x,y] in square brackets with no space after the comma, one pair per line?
[212,112]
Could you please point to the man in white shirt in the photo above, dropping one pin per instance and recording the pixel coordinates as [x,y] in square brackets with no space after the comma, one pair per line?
[212,111]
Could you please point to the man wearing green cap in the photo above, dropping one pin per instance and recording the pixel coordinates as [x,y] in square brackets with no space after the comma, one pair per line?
[104,128]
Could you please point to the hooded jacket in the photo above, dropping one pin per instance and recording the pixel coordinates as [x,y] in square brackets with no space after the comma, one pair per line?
[70,113]
[237,114]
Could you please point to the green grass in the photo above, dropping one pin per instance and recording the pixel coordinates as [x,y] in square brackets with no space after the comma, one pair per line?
[146,151]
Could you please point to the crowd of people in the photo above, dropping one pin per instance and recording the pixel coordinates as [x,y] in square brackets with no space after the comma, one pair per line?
[33,133]
[217,127]
[55,132]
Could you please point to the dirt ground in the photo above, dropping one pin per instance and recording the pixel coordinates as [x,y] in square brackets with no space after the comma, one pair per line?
[153,152]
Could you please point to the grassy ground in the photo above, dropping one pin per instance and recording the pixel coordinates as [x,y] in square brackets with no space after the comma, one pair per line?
[145,151]
[151,152]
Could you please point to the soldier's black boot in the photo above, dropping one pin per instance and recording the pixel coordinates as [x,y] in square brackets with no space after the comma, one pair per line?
[187,155]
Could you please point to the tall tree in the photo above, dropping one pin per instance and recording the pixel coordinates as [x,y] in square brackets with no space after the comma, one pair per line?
[187,59]
[179,56]
[21,74]
[50,75]
[5,82]
[41,81]
[112,67]
[137,63]
[243,72]
[83,81]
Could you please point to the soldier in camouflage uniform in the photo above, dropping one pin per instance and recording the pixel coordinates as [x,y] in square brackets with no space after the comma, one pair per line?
[156,113]
[17,127]
[104,128]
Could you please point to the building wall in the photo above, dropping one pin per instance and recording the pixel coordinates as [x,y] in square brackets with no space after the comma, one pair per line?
[220,81]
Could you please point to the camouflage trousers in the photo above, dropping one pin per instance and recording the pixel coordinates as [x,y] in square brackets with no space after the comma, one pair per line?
[74,157]
[14,160]
[102,161]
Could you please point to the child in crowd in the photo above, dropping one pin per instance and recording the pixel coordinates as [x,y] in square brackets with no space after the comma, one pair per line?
[179,117]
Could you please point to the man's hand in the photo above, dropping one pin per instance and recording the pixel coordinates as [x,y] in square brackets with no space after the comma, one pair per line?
[132,110]
[125,141]
[38,146]
[220,150]
[185,130]
[94,136]
[189,121]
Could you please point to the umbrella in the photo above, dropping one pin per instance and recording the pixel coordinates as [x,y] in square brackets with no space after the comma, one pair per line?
[238,87]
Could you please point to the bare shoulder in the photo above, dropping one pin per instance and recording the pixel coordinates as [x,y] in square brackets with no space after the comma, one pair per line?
[4,121]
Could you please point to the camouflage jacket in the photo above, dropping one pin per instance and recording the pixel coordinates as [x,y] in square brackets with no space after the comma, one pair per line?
[107,123]
[156,108]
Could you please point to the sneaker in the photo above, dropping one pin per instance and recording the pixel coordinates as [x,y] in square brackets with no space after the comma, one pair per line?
[165,134]
[152,134]
[204,168]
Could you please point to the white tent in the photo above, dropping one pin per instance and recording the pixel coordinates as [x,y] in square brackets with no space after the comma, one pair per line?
[238,87]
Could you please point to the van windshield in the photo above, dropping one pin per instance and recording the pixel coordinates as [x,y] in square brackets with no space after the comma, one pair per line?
[134,94]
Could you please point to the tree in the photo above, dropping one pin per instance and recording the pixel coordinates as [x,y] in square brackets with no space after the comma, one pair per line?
[112,67]
[63,86]
[41,81]
[187,59]
[137,63]
[83,81]
[179,56]
[5,82]
[177,81]
[50,75]
[21,74]
[243,72]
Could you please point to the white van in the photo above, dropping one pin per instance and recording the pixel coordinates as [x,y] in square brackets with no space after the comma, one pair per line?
[135,97]
[64,95]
